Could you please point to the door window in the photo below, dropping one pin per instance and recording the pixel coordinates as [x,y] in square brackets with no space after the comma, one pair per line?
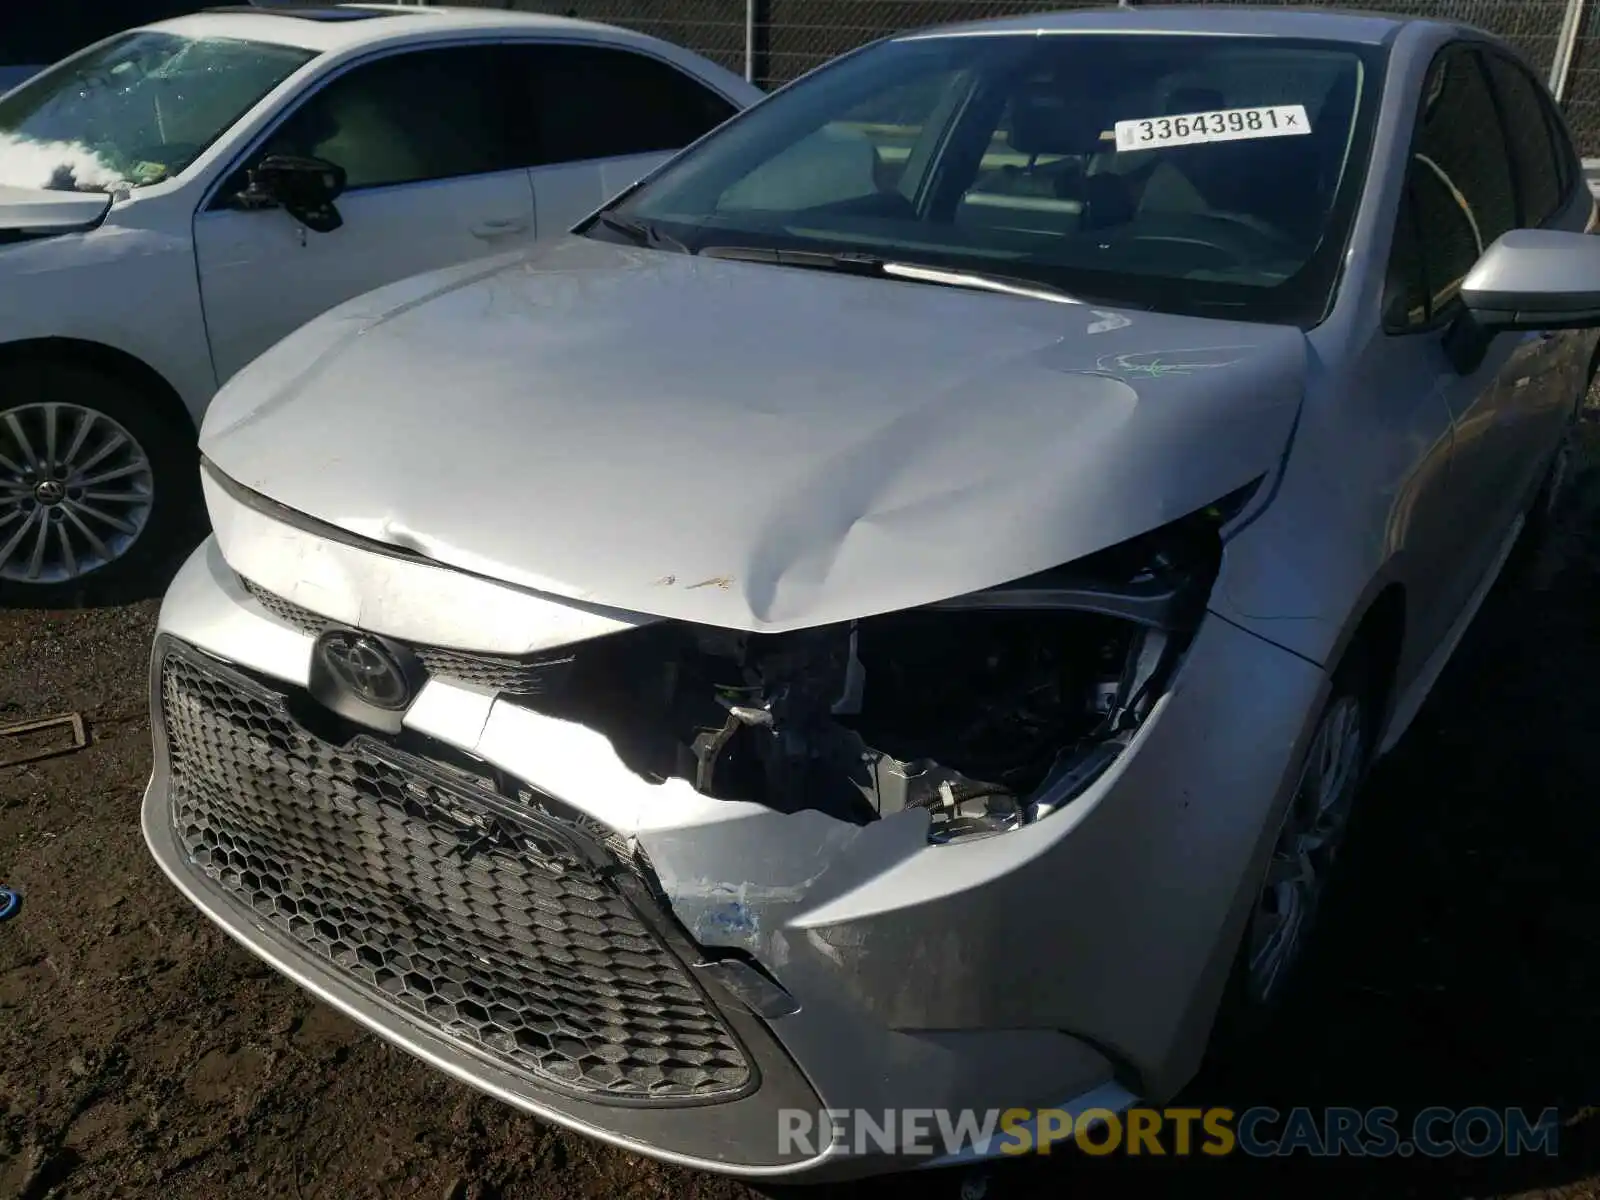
[1459,181]
[412,117]
[601,102]
[1531,134]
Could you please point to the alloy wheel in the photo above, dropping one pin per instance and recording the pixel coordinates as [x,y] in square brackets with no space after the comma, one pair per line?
[1307,844]
[1555,490]
[76,491]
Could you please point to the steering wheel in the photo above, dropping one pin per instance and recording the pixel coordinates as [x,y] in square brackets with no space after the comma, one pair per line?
[1241,238]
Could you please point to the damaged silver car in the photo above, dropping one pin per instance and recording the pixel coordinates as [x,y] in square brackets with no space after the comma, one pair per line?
[895,609]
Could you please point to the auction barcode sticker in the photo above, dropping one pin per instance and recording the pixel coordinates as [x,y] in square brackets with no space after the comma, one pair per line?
[1225,125]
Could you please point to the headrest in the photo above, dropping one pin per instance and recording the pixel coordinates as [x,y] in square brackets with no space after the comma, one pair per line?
[1047,118]
[1186,100]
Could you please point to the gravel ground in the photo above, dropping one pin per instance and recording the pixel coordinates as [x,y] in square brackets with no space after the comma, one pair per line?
[141,1054]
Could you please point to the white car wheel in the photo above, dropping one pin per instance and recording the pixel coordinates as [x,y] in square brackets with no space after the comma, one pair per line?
[76,492]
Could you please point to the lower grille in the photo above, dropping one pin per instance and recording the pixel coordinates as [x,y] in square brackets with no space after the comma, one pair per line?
[514,676]
[505,930]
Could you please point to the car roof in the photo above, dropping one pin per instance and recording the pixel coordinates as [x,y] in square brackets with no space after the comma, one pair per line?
[1323,24]
[335,27]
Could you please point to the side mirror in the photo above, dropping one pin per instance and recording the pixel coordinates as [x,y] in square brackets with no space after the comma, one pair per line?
[1528,280]
[305,187]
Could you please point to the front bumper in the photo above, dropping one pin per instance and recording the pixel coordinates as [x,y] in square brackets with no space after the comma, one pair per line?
[240,855]
[1071,963]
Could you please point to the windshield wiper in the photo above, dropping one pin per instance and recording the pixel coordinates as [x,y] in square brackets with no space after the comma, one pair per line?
[639,233]
[817,260]
[861,263]
[981,280]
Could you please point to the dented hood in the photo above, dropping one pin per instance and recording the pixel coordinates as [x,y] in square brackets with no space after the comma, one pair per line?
[746,445]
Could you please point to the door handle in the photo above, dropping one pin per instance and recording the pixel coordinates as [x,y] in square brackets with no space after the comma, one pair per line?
[499,228]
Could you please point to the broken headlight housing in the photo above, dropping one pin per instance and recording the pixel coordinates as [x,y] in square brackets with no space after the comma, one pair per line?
[988,711]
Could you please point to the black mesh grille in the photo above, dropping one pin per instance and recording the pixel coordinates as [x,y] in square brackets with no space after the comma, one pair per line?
[503,930]
[513,676]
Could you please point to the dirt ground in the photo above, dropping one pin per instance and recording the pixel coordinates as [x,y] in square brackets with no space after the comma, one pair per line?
[141,1054]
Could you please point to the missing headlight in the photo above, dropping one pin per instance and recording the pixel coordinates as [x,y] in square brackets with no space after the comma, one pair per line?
[988,711]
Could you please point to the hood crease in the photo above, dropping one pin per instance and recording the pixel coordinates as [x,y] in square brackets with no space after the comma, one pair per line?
[746,445]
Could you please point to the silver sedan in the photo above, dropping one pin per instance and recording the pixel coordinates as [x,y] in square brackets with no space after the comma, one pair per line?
[894,611]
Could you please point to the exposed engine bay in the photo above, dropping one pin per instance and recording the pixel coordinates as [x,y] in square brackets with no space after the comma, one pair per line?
[988,711]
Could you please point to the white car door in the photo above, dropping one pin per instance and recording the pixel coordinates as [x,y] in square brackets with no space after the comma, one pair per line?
[605,116]
[435,160]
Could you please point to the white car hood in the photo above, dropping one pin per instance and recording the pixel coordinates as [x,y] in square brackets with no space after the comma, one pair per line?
[751,446]
[37,210]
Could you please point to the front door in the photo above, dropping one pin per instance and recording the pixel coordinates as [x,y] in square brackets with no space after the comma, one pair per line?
[1463,192]
[436,175]
[1551,194]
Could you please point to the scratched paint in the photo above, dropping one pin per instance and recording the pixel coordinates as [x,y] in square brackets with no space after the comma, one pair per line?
[1159,364]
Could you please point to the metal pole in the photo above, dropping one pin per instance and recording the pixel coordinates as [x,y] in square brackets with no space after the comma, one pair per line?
[750,41]
[1566,49]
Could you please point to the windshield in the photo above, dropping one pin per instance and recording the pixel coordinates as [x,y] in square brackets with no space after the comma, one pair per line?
[134,111]
[1181,173]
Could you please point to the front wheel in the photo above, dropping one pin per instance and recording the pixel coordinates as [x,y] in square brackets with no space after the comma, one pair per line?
[1549,504]
[1307,843]
[96,485]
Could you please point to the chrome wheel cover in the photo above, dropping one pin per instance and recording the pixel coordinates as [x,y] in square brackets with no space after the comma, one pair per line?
[76,490]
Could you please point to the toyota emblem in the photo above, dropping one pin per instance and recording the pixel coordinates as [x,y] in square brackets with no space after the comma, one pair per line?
[365,669]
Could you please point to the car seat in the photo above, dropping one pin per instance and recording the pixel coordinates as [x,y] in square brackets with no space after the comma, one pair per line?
[368,136]
[1284,183]
[1047,120]
[1114,197]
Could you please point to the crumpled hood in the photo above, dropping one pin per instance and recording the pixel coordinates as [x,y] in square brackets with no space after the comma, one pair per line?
[38,210]
[752,446]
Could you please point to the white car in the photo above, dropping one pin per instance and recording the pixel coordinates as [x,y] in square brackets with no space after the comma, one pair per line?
[177,198]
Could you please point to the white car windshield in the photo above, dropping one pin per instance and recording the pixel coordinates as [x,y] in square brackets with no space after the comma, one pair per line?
[1213,175]
[134,111]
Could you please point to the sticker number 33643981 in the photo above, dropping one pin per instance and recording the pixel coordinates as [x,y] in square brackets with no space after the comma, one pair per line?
[1224,125]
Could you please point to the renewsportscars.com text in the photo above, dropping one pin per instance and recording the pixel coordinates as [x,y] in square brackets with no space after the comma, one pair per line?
[1259,1132]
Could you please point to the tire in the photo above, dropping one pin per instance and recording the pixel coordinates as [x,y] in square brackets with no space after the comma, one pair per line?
[1304,842]
[110,476]
[1550,502]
